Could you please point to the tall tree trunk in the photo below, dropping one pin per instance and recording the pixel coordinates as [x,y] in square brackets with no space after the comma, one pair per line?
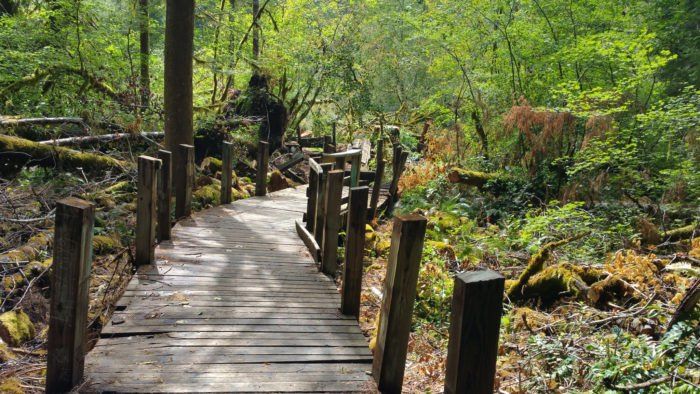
[179,42]
[145,53]
[8,7]
[256,32]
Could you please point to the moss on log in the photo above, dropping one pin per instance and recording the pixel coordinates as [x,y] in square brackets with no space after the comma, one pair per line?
[535,265]
[469,177]
[16,328]
[15,152]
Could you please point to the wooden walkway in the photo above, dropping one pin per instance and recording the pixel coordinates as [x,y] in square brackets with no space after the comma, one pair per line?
[235,303]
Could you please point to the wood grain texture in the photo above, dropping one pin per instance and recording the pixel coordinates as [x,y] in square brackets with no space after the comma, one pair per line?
[329,259]
[354,252]
[165,186]
[475,320]
[226,175]
[234,303]
[261,173]
[146,209]
[183,195]
[72,256]
[397,302]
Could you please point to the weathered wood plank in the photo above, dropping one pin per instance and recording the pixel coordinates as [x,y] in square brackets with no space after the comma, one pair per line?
[354,252]
[329,261]
[165,185]
[146,209]
[226,175]
[397,302]
[183,198]
[475,320]
[72,256]
[309,240]
[262,166]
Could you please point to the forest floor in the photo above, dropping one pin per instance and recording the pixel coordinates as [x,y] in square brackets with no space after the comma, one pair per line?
[565,338]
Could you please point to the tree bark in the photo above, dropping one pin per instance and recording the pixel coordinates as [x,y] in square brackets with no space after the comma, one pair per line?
[145,52]
[179,42]
[256,32]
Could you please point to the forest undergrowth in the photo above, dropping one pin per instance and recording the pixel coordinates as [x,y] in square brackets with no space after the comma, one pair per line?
[596,316]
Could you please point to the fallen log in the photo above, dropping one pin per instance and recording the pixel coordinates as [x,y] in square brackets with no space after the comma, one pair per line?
[16,152]
[12,122]
[535,265]
[471,178]
[90,139]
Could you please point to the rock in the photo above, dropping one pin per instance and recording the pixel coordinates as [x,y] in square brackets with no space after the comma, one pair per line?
[211,165]
[16,328]
[277,182]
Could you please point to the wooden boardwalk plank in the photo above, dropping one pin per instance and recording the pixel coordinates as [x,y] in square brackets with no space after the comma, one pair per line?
[234,303]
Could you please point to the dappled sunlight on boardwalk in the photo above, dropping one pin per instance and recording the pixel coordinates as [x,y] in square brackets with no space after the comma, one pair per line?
[234,303]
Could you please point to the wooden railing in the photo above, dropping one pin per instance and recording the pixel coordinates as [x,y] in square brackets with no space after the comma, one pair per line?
[72,255]
[478,296]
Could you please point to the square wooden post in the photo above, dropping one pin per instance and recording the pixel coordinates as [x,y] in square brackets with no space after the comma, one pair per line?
[312,193]
[320,220]
[226,168]
[355,171]
[146,210]
[399,165]
[328,144]
[397,304]
[329,261]
[261,175]
[378,175]
[183,198]
[165,184]
[72,260]
[477,305]
[354,251]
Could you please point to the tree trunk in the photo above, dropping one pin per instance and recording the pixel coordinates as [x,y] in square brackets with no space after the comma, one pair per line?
[8,7]
[145,52]
[179,42]
[256,32]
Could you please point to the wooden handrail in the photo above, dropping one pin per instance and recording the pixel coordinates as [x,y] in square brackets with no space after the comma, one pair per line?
[346,154]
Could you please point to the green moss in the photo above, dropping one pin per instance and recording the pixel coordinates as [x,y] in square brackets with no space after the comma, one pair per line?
[207,195]
[5,353]
[106,244]
[30,250]
[61,156]
[11,386]
[16,328]
[211,165]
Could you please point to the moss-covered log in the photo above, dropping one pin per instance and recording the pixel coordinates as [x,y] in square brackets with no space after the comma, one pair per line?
[16,152]
[469,177]
[535,265]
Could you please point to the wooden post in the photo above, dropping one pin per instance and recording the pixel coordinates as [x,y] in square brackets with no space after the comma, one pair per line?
[328,145]
[329,262]
[354,251]
[397,302]
[261,176]
[378,175]
[477,305]
[312,193]
[320,221]
[72,259]
[226,168]
[183,196]
[165,184]
[335,124]
[355,171]
[146,210]
[399,165]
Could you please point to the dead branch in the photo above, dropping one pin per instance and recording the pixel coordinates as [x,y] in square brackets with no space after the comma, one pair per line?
[86,140]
